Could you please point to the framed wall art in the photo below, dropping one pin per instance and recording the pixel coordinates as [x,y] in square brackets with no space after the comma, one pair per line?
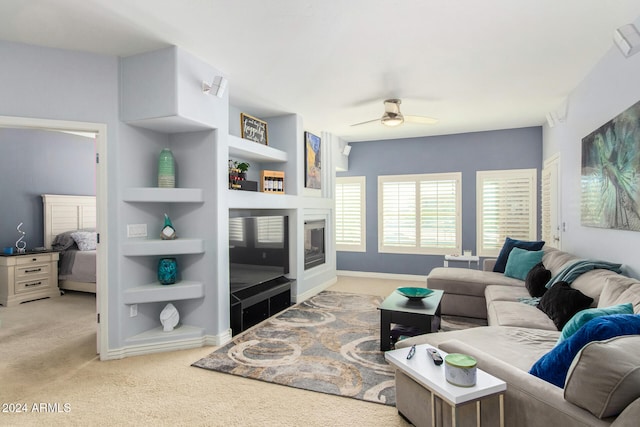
[253,129]
[610,177]
[312,165]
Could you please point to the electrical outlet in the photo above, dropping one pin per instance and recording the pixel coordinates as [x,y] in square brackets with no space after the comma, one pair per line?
[133,310]
[136,230]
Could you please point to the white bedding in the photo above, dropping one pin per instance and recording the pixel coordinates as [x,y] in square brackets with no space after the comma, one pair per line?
[83,269]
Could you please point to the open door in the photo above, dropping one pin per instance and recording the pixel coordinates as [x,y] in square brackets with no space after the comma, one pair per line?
[551,215]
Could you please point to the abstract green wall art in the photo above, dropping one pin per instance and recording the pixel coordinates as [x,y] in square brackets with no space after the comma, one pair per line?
[611,173]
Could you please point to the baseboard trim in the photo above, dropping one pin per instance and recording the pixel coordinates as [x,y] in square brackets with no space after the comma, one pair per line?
[186,344]
[389,276]
[315,290]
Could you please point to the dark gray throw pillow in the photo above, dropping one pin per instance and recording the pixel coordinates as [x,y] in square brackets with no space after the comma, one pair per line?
[536,280]
[561,302]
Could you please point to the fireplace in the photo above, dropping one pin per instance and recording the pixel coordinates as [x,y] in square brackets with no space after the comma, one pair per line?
[314,252]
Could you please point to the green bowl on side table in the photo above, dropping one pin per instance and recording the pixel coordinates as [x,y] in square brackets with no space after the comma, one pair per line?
[414,294]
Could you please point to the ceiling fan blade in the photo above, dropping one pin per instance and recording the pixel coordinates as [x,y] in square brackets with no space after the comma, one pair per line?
[364,123]
[420,120]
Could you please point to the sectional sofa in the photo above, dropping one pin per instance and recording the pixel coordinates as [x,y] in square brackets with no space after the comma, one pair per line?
[603,382]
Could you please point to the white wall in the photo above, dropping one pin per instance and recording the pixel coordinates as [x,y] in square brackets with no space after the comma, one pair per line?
[611,87]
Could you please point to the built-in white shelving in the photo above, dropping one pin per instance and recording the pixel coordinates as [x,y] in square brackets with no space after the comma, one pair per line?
[156,292]
[157,335]
[258,200]
[164,195]
[249,150]
[163,247]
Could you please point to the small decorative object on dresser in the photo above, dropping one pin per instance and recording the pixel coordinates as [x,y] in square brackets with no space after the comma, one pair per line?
[169,317]
[166,169]
[21,244]
[167,271]
[168,232]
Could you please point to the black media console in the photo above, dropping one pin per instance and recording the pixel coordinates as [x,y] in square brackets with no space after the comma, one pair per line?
[252,305]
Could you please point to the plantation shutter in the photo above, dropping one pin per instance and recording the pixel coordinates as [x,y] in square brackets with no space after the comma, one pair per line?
[506,208]
[350,209]
[438,226]
[399,214]
[419,213]
[547,233]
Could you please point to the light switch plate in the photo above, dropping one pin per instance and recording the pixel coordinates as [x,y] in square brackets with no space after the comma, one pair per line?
[133,310]
[136,230]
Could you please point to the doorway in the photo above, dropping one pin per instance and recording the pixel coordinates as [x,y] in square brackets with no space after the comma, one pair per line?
[551,212]
[100,130]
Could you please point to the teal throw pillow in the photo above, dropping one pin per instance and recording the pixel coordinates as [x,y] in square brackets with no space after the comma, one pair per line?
[521,261]
[509,244]
[583,316]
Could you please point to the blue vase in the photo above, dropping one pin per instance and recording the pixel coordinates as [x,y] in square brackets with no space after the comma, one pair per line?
[167,271]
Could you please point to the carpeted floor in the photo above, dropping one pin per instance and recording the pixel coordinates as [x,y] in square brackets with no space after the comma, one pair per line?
[329,343]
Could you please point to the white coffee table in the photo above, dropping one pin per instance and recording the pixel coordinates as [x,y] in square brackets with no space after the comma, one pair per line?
[430,376]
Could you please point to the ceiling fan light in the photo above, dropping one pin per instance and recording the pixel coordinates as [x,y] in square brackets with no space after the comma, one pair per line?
[392,120]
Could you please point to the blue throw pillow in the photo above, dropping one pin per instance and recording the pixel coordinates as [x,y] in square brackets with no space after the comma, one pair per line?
[521,261]
[582,317]
[553,366]
[509,244]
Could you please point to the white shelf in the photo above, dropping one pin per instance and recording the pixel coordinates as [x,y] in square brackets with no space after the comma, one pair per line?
[157,292]
[249,150]
[163,247]
[164,195]
[157,335]
[257,200]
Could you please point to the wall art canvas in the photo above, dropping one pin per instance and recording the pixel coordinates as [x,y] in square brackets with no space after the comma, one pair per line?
[312,163]
[611,173]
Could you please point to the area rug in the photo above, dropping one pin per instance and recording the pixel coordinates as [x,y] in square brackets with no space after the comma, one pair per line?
[328,343]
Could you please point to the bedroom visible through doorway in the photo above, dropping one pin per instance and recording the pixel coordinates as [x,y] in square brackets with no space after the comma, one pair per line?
[94,172]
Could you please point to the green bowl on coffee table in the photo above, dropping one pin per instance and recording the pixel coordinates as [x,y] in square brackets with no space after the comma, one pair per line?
[414,294]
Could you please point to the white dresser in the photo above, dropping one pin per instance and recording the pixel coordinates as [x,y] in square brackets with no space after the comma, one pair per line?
[27,277]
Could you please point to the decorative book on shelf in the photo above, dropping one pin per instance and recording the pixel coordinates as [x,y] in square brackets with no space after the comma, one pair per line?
[272,182]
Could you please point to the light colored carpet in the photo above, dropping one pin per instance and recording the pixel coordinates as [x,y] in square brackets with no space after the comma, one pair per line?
[47,355]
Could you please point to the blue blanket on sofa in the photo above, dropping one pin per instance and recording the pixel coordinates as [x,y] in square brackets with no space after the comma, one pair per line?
[572,271]
[554,366]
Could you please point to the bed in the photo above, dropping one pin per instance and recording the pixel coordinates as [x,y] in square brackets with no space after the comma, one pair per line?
[65,215]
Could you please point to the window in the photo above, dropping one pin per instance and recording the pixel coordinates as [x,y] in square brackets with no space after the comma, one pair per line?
[420,214]
[506,207]
[350,214]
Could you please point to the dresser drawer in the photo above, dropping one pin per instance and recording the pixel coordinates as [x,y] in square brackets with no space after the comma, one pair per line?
[30,271]
[24,286]
[33,259]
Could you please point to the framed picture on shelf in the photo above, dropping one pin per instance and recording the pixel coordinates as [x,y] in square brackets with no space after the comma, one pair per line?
[253,129]
[312,165]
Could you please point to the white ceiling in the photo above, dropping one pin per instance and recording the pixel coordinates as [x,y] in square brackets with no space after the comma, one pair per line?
[474,65]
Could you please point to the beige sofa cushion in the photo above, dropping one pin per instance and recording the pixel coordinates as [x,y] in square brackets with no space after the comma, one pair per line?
[555,260]
[466,281]
[619,289]
[505,293]
[513,313]
[604,377]
[519,347]
[592,283]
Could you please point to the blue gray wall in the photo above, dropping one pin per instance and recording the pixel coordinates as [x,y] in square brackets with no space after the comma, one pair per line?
[35,162]
[466,153]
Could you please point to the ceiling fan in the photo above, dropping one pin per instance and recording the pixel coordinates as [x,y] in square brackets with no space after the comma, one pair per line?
[393,117]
